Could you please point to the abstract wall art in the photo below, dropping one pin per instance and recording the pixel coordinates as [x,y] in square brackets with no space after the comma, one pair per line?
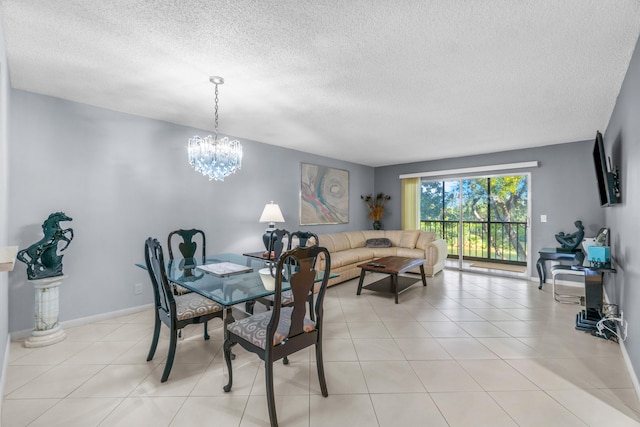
[324,195]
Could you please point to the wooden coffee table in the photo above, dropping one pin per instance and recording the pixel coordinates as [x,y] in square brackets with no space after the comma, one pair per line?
[392,265]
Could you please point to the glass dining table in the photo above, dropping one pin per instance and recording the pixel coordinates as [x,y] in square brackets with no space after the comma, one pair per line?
[228,279]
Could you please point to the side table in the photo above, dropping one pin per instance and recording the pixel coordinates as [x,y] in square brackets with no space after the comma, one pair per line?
[588,318]
[551,254]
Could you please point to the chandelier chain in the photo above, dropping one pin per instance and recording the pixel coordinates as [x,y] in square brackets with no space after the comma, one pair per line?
[216,112]
[213,157]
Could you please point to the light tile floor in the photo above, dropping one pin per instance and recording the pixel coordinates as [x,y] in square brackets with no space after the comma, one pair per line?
[467,350]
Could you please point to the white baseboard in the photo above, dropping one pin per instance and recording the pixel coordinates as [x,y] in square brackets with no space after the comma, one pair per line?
[632,373]
[625,355]
[16,335]
[3,375]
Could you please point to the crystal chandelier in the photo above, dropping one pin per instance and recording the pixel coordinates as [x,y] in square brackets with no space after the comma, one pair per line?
[213,157]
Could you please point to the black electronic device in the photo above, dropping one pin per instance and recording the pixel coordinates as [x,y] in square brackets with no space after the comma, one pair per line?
[608,179]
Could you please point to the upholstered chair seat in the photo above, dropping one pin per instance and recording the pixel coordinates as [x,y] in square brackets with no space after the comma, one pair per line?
[179,290]
[193,305]
[253,328]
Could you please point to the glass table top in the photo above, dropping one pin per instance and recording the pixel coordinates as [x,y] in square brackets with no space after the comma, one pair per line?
[223,287]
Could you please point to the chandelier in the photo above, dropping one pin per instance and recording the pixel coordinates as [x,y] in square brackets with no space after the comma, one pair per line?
[213,157]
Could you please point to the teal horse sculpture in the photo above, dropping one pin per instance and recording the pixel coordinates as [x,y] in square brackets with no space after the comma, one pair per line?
[42,257]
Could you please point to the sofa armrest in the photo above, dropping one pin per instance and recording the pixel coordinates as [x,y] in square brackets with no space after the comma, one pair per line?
[436,251]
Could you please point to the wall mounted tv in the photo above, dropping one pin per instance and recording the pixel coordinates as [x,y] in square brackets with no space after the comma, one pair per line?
[608,188]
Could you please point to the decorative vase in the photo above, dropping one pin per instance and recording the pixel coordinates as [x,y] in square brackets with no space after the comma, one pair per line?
[377,225]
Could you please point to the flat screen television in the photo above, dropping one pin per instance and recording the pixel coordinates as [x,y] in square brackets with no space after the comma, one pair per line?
[607,181]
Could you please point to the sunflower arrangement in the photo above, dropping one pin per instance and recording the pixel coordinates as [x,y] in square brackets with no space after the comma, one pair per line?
[376,204]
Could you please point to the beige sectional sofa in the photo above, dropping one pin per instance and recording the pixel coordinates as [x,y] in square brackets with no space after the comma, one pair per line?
[348,249]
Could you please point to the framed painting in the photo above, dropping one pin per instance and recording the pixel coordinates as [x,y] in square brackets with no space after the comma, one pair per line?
[324,195]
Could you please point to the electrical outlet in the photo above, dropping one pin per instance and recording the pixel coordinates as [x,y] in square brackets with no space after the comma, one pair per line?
[624,324]
[137,288]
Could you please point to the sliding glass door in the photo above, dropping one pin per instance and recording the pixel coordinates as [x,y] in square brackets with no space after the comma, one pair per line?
[483,219]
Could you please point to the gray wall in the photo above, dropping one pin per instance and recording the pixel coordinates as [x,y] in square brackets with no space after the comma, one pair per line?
[4,196]
[124,178]
[563,187]
[622,143]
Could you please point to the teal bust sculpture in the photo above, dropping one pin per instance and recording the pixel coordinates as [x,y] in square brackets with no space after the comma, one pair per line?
[42,257]
[573,240]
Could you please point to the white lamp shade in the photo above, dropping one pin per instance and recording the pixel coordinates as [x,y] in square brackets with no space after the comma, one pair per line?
[271,213]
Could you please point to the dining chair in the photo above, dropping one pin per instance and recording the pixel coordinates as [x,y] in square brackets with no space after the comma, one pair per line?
[275,334]
[302,237]
[175,311]
[276,246]
[188,248]
[566,270]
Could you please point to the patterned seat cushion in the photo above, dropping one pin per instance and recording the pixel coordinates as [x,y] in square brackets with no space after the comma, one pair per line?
[192,305]
[287,298]
[254,328]
[179,290]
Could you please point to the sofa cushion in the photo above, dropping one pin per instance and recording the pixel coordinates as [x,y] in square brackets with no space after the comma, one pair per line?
[364,254]
[356,239]
[382,242]
[338,241]
[394,235]
[338,259]
[409,238]
[372,234]
[383,252]
[425,238]
[410,253]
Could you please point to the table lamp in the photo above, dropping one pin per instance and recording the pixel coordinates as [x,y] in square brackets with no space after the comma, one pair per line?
[270,214]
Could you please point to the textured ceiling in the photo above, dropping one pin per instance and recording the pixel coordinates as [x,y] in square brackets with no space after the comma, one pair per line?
[369,81]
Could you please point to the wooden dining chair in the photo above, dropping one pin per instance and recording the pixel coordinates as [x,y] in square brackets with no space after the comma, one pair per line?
[188,246]
[276,246]
[301,238]
[277,333]
[175,311]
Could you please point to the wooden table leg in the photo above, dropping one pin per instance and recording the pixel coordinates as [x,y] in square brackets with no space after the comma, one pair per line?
[362,271]
[424,280]
[542,273]
[394,286]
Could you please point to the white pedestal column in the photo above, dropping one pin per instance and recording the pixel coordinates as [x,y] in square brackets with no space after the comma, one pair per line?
[47,330]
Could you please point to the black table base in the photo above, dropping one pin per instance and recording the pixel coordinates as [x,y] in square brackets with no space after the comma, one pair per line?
[586,320]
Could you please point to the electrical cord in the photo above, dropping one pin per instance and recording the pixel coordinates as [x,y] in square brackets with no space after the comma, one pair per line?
[605,329]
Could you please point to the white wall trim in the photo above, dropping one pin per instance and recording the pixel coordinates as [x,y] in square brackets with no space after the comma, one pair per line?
[625,354]
[4,374]
[490,168]
[629,365]
[16,335]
